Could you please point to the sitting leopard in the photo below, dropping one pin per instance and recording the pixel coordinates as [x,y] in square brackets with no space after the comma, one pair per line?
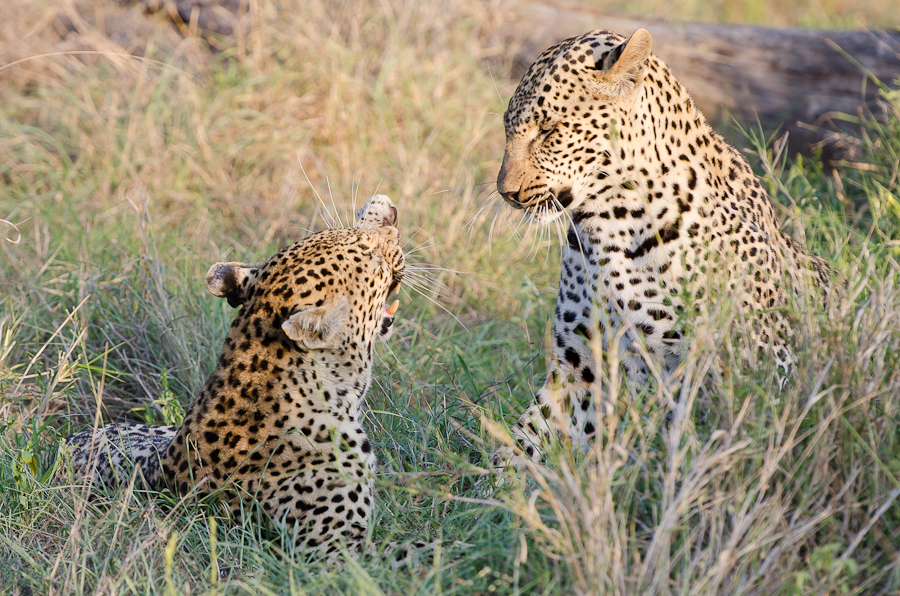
[660,206]
[278,421]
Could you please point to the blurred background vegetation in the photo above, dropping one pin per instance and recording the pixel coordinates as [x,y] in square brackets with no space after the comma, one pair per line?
[819,14]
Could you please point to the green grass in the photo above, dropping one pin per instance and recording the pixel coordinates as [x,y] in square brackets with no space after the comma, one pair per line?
[123,180]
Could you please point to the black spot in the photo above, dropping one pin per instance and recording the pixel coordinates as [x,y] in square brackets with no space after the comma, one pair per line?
[573,357]
[580,216]
[667,234]
[658,315]
[587,375]
[572,240]
[583,331]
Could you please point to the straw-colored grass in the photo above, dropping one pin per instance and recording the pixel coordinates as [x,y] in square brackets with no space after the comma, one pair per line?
[820,14]
[122,178]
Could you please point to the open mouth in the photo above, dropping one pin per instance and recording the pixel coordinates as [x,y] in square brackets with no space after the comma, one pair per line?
[387,315]
[543,209]
[548,203]
[548,206]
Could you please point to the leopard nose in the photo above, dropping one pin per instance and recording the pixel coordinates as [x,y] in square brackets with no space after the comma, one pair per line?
[511,197]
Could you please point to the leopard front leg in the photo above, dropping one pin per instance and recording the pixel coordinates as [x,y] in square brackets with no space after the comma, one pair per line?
[560,417]
[564,411]
[772,333]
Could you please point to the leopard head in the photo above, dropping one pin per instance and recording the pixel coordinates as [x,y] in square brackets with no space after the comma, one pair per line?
[561,124]
[326,292]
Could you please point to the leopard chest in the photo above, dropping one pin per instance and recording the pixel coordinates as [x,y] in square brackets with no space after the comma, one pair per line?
[630,257]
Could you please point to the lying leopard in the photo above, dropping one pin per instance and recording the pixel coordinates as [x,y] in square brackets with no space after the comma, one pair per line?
[660,206]
[278,422]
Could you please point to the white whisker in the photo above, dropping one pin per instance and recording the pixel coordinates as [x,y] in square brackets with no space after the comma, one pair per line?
[429,267]
[438,304]
[425,281]
[337,213]
[422,246]
[578,237]
[435,287]
[437,192]
[307,230]
[474,218]
[557,223]
[316,192]
[354,193]
[525,222]
[495,84]
[396,359]
[536,237]
[493,222]
[411,236]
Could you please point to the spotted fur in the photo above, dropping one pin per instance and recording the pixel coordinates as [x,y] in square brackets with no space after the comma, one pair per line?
[278,422]
[659,207]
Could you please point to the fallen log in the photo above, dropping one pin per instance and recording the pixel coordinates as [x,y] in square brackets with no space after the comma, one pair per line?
[802,81]
[216,16]
[799,79]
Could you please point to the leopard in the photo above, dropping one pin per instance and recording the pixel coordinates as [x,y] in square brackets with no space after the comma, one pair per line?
[655,209]
[277,427]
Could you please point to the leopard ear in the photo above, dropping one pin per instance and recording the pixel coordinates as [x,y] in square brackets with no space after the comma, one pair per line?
[624,67]
[320,326]
[232,281]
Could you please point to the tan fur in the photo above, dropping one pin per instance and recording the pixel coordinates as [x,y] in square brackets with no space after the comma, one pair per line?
[278,423]
[660,207]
